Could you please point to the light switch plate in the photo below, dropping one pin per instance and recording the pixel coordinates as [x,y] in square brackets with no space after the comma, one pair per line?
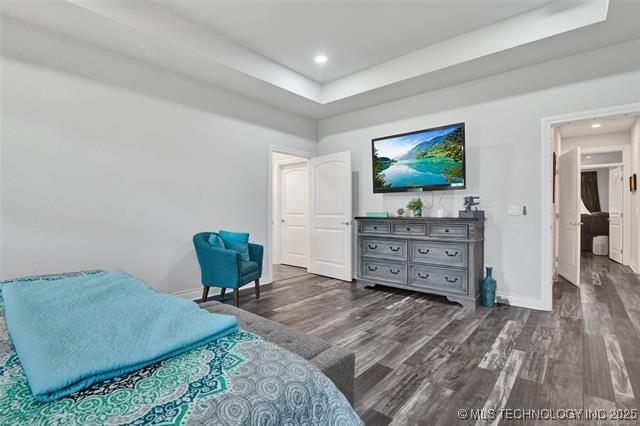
[514,210]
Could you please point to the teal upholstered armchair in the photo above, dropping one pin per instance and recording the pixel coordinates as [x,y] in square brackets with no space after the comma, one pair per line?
[221,267]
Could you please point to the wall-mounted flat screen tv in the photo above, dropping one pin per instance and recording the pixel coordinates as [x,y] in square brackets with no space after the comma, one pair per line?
[431,159]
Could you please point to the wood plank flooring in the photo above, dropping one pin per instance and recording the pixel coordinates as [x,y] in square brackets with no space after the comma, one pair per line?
[419,358]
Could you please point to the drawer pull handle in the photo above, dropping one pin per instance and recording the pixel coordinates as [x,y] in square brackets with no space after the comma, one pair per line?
[423,252]
[447,279]
[408,229]
[454,254]
[396,272]
[375,227]
[424,277]
[446,230]
[372,247]
[372,268]
[394,249]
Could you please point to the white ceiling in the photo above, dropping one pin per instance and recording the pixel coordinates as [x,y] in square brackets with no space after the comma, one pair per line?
[354,35]
[378,51]
[614,124]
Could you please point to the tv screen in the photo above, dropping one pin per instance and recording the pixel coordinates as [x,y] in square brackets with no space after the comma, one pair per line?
[431,159]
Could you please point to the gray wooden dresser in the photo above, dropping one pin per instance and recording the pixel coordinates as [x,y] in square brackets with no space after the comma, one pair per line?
[442,256]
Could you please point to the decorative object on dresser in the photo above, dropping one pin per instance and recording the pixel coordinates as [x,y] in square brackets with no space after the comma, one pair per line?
[488,289]
[415,205]
[468,213]
[442,256]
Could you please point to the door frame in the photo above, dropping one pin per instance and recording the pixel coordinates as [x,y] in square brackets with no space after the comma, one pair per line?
[269,244]
[547,261]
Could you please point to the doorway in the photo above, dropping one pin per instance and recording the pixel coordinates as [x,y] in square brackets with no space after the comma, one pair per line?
[592,209]
[310,217]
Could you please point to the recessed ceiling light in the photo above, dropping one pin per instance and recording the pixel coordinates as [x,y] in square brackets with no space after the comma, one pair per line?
[596,125]
[588,156]
[320,59]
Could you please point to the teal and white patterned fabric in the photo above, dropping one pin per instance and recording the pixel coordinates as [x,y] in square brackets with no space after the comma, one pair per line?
[240,379]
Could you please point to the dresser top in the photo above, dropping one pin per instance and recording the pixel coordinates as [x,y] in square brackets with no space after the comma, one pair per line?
[417,219]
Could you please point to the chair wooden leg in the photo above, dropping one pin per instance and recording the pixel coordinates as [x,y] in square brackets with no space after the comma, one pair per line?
[222,292]
[258,288]
[205,293]
[236,297]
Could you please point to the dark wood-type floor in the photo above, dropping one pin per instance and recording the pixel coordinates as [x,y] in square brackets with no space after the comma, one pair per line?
[283,272]
[420,358]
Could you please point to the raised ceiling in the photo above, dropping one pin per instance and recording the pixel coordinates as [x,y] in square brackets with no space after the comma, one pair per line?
[378,51]
[354,35]
[613,124]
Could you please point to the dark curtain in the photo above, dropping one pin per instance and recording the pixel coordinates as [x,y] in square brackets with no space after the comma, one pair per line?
[590,196]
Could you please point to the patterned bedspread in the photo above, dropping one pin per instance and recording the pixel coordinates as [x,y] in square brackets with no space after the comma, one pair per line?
[240,379]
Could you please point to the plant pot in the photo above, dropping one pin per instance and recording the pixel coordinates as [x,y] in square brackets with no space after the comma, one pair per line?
[417,213]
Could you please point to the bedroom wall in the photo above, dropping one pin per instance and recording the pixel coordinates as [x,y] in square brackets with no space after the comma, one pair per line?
[503,116]
[109,163]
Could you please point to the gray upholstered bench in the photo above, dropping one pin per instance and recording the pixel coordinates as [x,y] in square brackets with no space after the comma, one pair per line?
[336,363]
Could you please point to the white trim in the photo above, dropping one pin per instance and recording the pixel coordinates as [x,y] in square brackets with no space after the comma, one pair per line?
[546,155]
[282,150]
[634,267]
[601,166]
[196,293]
[607,148]
[522,301]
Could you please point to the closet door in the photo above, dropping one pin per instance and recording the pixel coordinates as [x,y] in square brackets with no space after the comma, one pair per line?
[294,215]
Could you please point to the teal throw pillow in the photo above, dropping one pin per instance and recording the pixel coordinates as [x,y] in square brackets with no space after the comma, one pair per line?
[238,241]
[216,241]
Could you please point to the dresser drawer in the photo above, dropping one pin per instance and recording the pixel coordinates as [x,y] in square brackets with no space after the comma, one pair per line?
[376,228]
[452,254]
[444,230]
[388,271]
[374,247]
[441,279]
[408,228]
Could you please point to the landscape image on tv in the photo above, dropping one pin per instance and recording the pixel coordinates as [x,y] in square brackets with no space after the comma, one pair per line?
[428,159]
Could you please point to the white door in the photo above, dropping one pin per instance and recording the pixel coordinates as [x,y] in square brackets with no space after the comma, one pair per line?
[331,216]
[616,191]
[569,200]
[294,216]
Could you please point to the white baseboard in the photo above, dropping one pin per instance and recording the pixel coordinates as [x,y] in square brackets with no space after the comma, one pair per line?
[196,293]
[634,267]
[522,301]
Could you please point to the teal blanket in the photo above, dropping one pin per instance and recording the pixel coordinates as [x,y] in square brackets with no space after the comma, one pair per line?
[77,331]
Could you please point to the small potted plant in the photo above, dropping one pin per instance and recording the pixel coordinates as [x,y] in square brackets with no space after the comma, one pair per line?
[415,206]
[400,212]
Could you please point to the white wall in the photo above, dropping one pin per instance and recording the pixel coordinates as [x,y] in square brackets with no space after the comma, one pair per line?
[595,141]
[503,134]
[109,163]
[635,198]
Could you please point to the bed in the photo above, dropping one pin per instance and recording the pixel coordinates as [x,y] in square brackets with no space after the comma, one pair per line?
[238,379]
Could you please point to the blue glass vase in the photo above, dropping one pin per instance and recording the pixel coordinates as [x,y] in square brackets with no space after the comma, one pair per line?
[488,289]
